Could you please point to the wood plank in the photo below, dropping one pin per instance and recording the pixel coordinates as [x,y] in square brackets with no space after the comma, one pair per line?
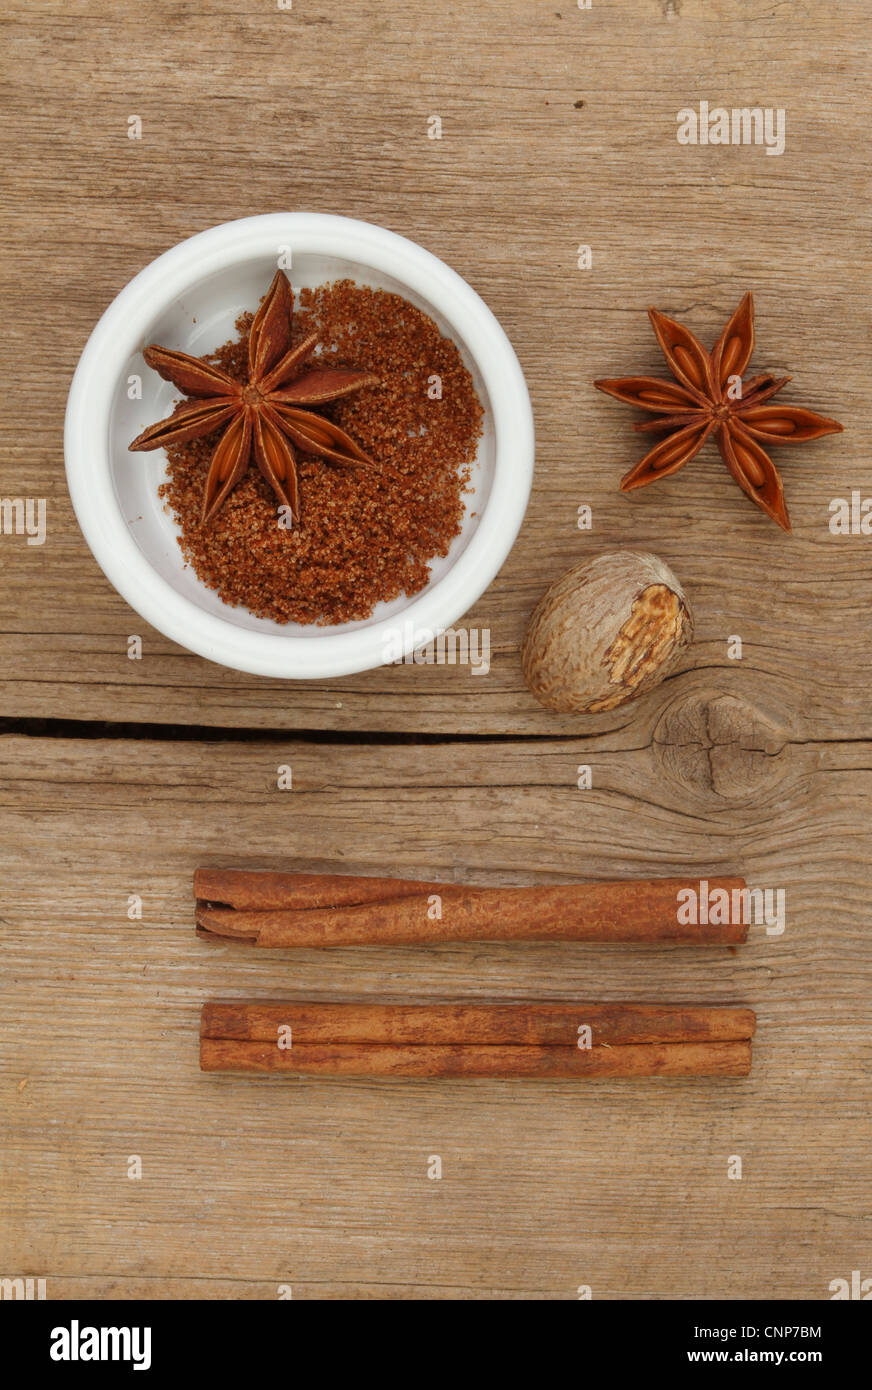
[249,1184]
[559,129]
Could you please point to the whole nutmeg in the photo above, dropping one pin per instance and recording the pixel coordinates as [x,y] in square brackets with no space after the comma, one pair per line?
[610,629]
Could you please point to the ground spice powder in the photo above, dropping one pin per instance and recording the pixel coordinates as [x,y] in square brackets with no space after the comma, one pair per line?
[365,535]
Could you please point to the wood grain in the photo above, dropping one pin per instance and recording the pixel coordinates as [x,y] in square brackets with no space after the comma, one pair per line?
[249,1183]
[558,130]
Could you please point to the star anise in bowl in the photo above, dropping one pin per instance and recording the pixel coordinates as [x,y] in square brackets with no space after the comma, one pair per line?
[709,396]
[265,416]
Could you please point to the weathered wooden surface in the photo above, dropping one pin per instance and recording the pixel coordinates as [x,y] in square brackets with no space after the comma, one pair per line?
[558,130]
[251,1183]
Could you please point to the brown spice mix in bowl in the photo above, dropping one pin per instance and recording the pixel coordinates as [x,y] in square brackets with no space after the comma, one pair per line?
[366,535]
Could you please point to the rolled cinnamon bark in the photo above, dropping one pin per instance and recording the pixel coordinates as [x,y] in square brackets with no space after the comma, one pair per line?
[549,1024]
[258,890]
[509,1063]
[628,911]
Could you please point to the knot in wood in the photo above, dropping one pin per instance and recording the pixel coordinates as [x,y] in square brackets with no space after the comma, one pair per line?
[719,745]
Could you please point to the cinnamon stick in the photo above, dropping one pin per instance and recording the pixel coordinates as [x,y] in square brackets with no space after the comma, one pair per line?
[548,1024]
[509,1063]
[259,890]
[629,911]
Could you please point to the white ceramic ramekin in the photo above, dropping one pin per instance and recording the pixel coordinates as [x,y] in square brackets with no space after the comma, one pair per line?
[189,298]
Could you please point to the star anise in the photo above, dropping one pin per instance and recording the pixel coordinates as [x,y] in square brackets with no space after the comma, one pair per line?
[266,415]
[708,395]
